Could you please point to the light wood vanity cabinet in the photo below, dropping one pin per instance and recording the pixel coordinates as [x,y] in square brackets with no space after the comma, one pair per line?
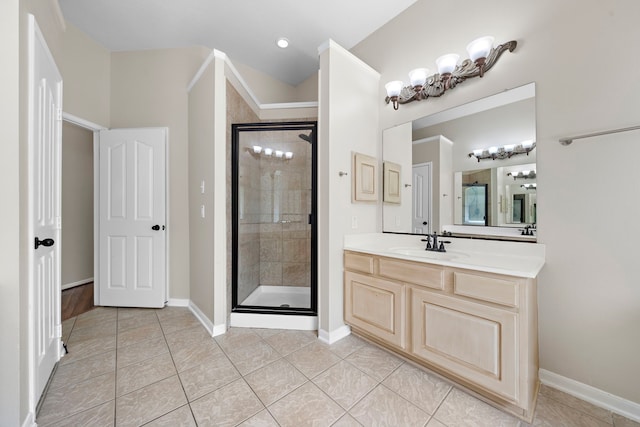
[477,328]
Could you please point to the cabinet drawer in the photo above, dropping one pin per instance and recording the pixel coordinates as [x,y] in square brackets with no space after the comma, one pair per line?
[412,272]
[491,289]
[358,262]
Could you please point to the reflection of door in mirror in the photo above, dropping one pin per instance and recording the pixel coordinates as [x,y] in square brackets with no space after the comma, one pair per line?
[421,205]
[475,203]
[518,208]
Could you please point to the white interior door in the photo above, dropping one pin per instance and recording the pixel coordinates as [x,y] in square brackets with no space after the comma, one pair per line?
[132,217]
[45,134]
[421,206]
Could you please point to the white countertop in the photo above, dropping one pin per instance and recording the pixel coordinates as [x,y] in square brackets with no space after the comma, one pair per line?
[512,258]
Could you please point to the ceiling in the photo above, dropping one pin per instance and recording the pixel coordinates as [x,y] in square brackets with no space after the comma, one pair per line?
[246,30]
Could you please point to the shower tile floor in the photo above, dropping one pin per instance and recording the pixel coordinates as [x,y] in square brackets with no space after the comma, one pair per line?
[276,296]
[132,367]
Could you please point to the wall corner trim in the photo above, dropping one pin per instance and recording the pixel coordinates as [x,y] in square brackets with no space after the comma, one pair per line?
[335,335]
[208,324]
[590,394]
[30,420]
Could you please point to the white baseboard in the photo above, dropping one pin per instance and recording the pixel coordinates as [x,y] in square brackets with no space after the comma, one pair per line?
[274,321]
[590,394]
[177,302]
[219,329]
[74,284]
[208,324]
[30,421]
[335,335]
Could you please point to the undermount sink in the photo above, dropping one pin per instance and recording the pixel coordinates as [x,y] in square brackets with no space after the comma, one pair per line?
[421,253]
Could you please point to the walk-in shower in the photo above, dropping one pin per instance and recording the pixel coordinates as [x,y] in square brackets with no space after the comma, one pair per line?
[274,220]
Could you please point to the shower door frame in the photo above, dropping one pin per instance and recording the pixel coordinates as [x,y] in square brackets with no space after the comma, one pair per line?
[236,128]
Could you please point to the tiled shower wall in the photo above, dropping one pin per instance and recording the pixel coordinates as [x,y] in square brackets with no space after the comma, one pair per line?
[274,204]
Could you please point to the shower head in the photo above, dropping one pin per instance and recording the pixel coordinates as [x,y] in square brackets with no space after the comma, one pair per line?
[308,138]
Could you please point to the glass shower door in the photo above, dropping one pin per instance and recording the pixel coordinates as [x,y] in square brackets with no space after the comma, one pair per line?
[274,265]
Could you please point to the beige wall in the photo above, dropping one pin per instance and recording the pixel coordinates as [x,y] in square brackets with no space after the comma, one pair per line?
[148,89]
[271,91]
[344,128]
[589,301]
[86,70]
[77,204]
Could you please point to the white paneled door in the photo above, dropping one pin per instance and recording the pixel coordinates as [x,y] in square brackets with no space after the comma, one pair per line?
[45,135]
[132,217]
[421,218]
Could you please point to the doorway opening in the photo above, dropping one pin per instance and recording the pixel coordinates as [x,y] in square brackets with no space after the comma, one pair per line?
[274,218]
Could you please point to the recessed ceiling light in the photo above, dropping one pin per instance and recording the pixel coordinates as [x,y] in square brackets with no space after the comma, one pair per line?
[282,42]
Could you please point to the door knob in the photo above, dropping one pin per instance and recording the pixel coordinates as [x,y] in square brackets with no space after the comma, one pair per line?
[155,227]
[45,242]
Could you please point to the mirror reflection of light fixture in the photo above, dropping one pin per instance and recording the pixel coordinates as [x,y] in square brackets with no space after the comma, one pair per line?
[529,186]
[257,149]
[522,175]
[288,155]
[482,56]
[268,151]
[504,152]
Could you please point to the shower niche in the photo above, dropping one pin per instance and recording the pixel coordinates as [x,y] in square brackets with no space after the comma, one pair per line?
[274,218]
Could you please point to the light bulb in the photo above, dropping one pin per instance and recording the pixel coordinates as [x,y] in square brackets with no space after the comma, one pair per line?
[418,77]
[480,48]
[393,88]
[447,63]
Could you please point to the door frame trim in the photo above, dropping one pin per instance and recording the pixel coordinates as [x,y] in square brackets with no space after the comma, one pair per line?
[430,188]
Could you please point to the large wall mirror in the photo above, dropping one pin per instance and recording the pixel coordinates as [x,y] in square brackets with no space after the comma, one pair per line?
[437,184]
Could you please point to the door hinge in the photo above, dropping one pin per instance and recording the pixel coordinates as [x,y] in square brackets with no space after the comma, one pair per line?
[59,114]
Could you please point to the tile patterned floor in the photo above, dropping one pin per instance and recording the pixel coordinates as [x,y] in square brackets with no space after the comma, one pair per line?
[132,367]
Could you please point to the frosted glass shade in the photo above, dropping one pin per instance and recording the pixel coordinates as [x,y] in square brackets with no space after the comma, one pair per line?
[480,48]
[492,150]
[268,151]
[288,155]
[509,148]
[418,77]
[478,153]
[257,149]
[527,144]
[393,88]
[447,63]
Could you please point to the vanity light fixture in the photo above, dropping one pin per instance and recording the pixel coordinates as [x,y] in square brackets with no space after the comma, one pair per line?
[529,186]
[504,152]
[482,56]
[522,175]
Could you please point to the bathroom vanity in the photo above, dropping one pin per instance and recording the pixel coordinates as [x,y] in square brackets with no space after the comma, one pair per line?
[469,314]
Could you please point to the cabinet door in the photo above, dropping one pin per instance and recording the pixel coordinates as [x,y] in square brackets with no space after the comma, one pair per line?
[375,306]
[474,341]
